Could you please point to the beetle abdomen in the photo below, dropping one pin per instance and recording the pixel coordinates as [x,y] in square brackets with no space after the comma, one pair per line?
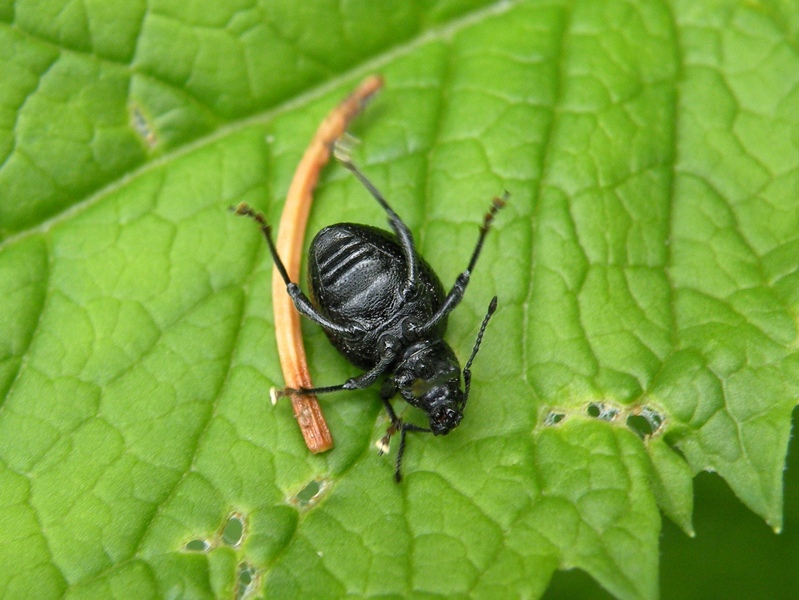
[355,272]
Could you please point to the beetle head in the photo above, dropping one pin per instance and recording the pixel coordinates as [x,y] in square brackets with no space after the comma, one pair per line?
[429,377]
[445,408]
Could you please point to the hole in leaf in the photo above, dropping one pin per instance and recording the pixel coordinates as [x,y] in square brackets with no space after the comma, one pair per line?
[197,546]
[307,494]
[553,418]
[602,411]
[311,493]
[142,125]
[647,422]
[654,418]
[246,580]
[233,532]
[639,425]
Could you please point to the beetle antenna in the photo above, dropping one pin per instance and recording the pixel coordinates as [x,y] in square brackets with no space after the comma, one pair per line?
[467,370]
[497,204]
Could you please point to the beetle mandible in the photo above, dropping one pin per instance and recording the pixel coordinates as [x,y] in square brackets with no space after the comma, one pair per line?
[384,308]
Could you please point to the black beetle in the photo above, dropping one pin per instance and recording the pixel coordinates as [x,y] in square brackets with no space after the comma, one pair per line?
[384,308]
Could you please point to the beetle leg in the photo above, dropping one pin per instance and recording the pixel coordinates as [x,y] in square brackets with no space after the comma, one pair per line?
[364,380]
[404,428]
[388,389]
[400,228]
[301,301]
[397,425]
[395,420]
[456,293]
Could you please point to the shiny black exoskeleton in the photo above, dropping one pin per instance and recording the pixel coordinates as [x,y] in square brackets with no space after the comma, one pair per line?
[384,308]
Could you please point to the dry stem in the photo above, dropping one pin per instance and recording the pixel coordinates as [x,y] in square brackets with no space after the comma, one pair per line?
[291,232]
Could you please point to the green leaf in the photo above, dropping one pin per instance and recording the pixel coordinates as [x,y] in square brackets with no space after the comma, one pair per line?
[646,268]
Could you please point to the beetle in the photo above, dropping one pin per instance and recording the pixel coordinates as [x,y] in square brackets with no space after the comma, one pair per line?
[384,308]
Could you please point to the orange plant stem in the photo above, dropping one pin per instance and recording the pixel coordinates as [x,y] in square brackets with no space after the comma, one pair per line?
[291,233]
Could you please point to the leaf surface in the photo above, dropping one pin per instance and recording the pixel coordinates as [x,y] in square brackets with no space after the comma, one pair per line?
[646,268]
